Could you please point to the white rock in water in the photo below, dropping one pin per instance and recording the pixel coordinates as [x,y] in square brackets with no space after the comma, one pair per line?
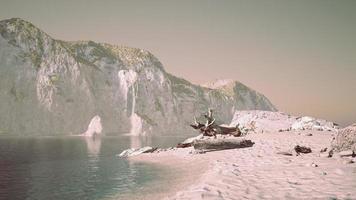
[135,152]
[94,127]
[126,152]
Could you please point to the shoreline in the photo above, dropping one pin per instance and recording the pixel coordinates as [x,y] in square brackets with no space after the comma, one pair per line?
[185,169]
[257,172]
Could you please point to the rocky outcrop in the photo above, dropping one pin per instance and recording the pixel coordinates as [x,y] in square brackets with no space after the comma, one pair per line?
[94,128]
[310,123]
[256,121]
[345,139]
[53,87]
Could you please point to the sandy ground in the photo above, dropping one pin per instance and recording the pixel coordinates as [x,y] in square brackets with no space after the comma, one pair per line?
[257,172]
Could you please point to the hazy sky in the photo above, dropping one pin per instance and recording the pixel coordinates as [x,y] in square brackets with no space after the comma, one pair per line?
[300,54]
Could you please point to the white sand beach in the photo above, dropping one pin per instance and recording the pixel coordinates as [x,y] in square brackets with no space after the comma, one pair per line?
[258,172]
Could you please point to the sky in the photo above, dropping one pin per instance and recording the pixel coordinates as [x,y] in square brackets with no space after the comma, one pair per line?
[300,54]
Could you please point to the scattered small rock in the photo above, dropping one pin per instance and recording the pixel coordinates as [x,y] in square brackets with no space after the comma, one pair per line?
[311,165]
[331,153]
[314,165]
[285,153]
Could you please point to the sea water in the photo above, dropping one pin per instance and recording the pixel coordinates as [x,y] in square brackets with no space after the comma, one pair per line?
[76,167]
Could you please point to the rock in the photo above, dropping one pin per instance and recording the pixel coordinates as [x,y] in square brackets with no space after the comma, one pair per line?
[331,153]
[126,153]
[345,139]
[256,121]
[220,144]
[135,152]
[308,134]
[310,123]
[302,149]
[311,165]
[94,128]
[285,153]
[314,165]
[323,150]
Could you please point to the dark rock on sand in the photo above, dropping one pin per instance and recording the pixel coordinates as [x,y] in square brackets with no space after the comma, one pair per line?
[302,149]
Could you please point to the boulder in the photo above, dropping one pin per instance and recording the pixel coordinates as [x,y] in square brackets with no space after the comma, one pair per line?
[345,139]
[302,149]
[94,128]
[310,123]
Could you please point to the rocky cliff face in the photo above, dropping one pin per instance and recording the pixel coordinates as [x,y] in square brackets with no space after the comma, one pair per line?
[52,87]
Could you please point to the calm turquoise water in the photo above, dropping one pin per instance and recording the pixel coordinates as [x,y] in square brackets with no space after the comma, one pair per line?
[75,167]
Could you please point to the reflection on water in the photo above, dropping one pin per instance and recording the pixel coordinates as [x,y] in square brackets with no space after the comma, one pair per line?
[93,145]
[140,141]
[74,167]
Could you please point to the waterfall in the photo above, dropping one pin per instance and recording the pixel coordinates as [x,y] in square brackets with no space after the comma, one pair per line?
[128,80]
[136,121]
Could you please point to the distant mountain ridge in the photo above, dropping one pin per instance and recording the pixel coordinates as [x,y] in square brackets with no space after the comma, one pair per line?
[53,87]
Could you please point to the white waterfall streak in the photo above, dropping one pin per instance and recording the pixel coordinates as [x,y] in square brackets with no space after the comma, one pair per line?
[128,79]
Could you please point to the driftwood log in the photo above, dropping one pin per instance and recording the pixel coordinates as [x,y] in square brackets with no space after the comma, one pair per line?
[210,128]
[220,144]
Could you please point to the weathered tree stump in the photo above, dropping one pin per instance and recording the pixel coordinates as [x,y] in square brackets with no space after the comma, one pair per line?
[210,128]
